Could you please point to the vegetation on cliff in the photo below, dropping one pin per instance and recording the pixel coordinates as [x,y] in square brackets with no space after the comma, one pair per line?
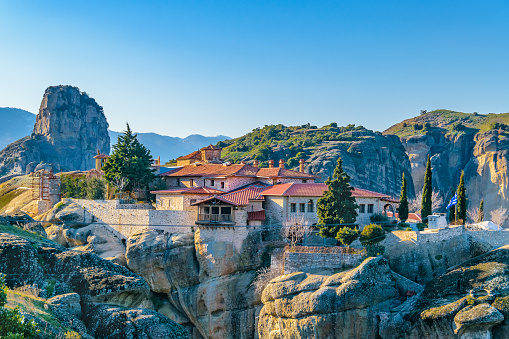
[275,142]
[450,122]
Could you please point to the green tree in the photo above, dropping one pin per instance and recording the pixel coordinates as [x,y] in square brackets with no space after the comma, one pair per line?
[461,207]
[96,189]
[130,160]
[370,238]
[347,235]
[403,201]
[481,211]
[372,234]
[73,187]
[427,192]
[12,323]
[337,206]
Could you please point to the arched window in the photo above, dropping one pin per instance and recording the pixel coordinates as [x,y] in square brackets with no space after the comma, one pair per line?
[310,206]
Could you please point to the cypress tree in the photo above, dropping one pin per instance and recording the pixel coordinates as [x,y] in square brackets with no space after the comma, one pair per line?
[403,201]
[461,207]
[427,191]
[481,211]
[337,206]
[130,160]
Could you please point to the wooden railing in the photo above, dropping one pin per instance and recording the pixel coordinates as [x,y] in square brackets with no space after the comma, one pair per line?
[215,217]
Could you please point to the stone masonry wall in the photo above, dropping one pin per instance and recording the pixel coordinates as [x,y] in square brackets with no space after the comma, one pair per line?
[306,262]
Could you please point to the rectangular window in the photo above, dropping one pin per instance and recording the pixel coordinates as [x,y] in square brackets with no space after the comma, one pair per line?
[310,206]
[226,210]
[178,182]
[362,208]
[211,182]
[293,208]
[370,208]
[222,184]
[191,182]
[215,209]
[206,210]
[302,208]
[304,181]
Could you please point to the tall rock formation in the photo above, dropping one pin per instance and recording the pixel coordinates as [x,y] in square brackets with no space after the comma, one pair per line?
[476,144]
[69,129]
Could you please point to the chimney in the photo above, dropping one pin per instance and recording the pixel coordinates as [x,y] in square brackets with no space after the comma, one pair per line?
[242,162]
[301,165]
[271,163]
[281,163]
[255,163]
[158,161]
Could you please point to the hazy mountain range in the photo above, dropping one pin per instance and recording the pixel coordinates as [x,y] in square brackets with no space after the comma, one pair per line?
[18,123]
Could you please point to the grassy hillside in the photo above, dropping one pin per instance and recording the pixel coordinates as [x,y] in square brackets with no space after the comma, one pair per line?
[450,122]
[291,143]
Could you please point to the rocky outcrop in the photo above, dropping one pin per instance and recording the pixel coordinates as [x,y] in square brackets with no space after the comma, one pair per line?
[470,301]
[69,129]
[84,289]
[204,279]
[375,162]
[344,305]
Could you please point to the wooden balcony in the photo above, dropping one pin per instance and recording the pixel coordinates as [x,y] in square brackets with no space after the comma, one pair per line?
[215,219]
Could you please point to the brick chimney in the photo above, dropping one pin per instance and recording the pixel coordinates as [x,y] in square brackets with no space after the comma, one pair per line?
[301,165]
[271,163]
[281,163]
[255,163]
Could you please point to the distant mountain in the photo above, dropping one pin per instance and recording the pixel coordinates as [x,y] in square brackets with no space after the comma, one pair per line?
[171,147]
[15,124]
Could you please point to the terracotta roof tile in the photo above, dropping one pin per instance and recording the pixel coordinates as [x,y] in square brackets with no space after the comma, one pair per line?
[189,190]
[101,156]
[316,190]
[212,170]
[194,155]
[218,197]
[278,172]
[210,147]
[256,215]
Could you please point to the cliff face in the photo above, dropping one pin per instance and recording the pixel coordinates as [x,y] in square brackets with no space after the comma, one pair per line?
[69,129]
[375,162]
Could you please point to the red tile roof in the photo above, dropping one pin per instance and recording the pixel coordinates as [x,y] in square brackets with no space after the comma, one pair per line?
[241,197]
[296,190]
[256,215]
[278,172]
[218,197]
[317,190]
[101,156]
[243,170]
[189,190]
[210,147]
[212,170]
[194,155]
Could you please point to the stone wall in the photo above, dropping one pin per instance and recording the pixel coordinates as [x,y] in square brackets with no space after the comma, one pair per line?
[313,262]
[494,238]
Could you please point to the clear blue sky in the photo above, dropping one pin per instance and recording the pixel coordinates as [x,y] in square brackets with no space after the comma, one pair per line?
[226,67]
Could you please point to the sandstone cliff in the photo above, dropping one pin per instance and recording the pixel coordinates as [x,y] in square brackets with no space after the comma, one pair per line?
[69,129]
[476,144]
[79,291]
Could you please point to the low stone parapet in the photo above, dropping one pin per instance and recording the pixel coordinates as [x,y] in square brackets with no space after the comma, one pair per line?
[313,259]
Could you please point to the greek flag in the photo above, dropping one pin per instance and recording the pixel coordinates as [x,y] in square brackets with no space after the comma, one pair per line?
[454,200]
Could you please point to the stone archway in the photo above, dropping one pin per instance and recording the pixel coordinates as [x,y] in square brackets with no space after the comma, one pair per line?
[389,208]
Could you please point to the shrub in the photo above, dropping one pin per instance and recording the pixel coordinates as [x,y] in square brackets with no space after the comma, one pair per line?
[408,229]
[458,126]
[378,217]
[372,234]
[347,235]
[374,250]
[421,226]
[402,225]
[417,127]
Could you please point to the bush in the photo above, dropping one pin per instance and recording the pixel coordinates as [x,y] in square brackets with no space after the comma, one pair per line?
[374,250]
[372,234]
[458,126]
[421,226]
[417,127]
[408,229]
[378,217]
[402,225]
[347,235]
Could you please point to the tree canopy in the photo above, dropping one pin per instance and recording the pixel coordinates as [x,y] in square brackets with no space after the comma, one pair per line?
[130,160]
[461,207]
[403,201]
[347,235]
[337,206]
[427,192]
